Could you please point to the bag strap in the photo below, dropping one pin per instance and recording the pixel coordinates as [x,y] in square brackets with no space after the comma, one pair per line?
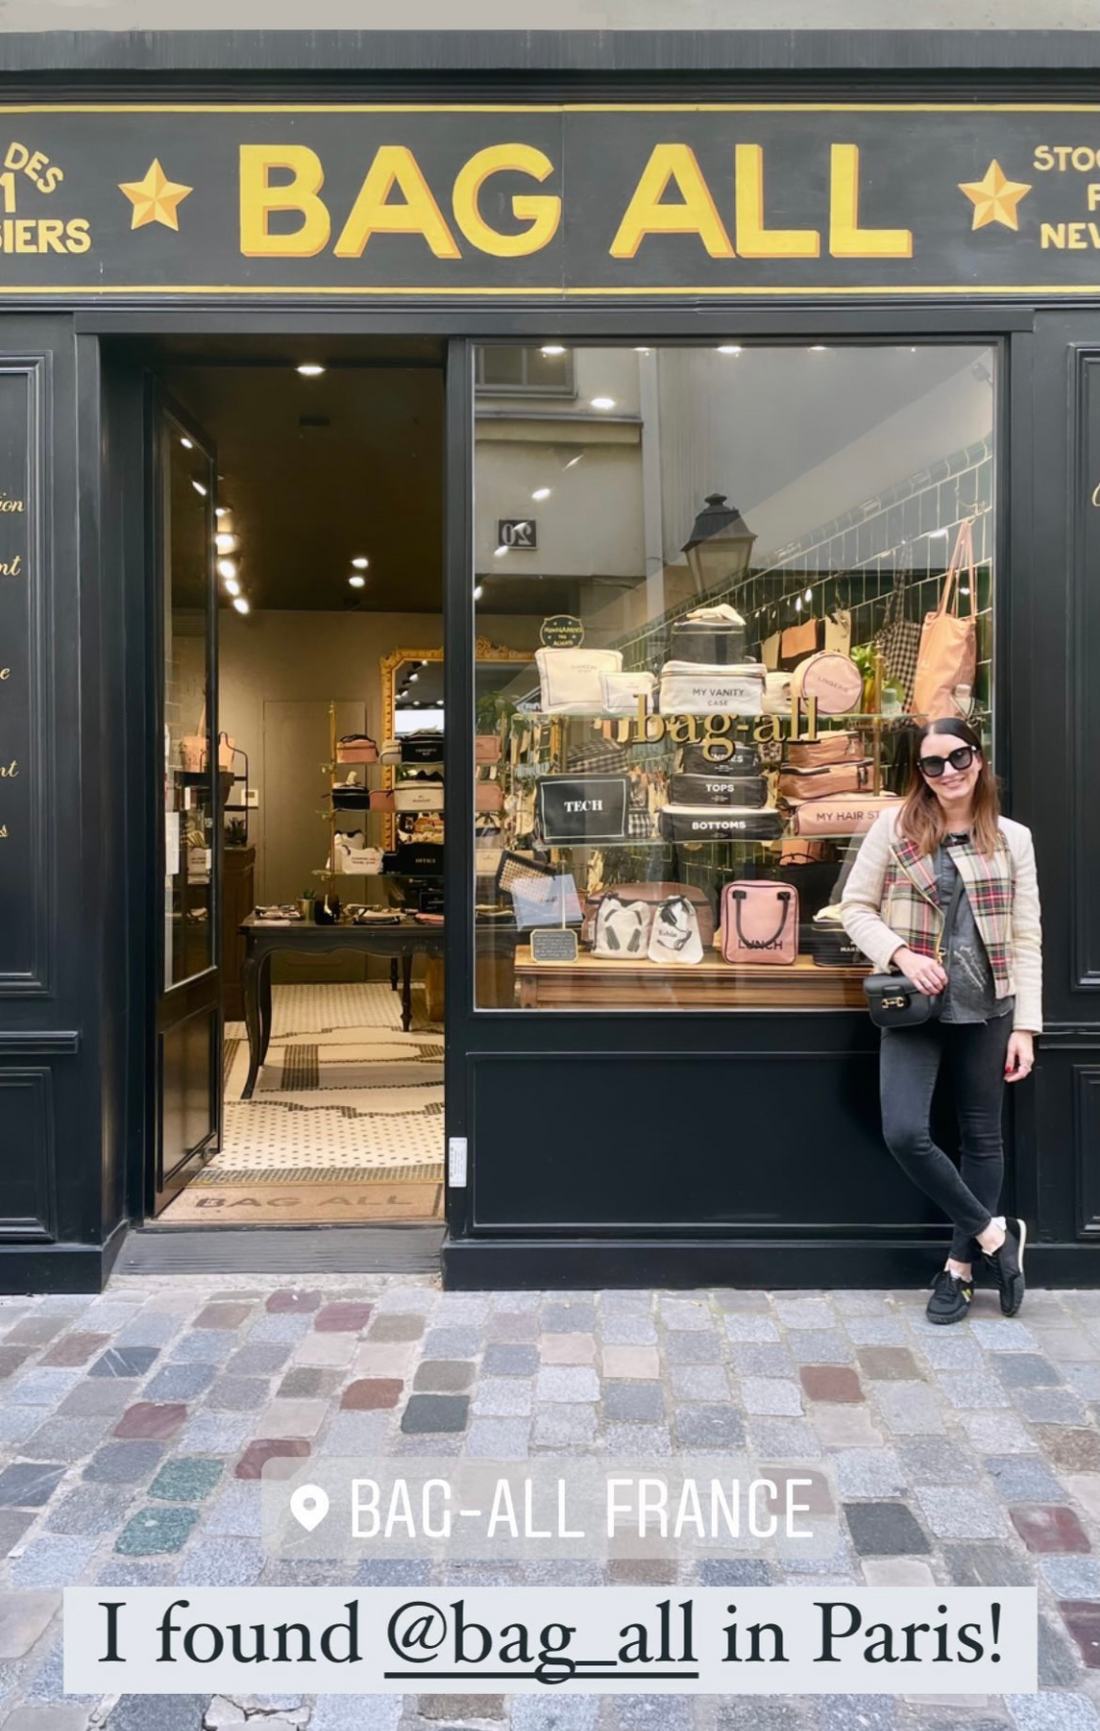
[963,549]
[739,896]
[949,916]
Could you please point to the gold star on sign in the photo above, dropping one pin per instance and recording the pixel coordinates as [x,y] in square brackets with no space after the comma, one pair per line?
[155,198]
[994,198]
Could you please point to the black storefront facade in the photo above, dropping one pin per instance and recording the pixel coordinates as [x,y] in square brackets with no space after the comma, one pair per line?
[842,191]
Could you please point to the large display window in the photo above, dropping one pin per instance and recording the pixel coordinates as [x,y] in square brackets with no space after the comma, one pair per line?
[721,561]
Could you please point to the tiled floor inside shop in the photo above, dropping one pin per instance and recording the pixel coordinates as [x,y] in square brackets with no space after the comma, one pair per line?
[134,1425]
[346,1120]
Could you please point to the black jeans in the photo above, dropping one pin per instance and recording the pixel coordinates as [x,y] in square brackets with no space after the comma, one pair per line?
[908,1066]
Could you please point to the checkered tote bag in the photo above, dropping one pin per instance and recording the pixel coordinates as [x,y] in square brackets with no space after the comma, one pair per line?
[898,639]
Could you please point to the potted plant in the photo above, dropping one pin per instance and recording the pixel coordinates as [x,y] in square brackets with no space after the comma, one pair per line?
[306,905]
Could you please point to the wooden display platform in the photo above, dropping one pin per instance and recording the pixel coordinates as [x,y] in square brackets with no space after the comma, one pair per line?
[593,982]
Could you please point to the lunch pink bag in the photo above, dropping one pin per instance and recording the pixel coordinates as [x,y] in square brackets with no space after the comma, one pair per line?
[759,922]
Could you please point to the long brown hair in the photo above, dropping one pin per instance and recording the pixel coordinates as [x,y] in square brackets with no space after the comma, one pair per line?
[922,819]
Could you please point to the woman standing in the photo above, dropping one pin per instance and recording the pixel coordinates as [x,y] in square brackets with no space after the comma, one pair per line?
[893,907]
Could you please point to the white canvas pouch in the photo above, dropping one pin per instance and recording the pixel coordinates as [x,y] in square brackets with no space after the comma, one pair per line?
[622,929]
[777,694]
[621,692]
[674,934]
[569,679]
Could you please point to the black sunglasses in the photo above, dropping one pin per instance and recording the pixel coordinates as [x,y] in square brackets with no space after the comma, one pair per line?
[961,758]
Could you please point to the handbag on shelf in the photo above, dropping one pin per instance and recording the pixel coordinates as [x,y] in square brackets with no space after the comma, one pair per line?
[743,760]
[423,747]
[833,679]
[713,636]
[654,894]
[898,640]
[582,808]
[379,799]
[620,692]
[689,688]
[759,922]
[356,748]
[948,656]
[418,796]
[893,1000]
[352,797]
[488,796]
[827,943]
[486,747]
[674,934]
[799,641]
[837,747]
[569,679]
[686,789]
[685,823]
[827,778]
[838,813]
[769,651]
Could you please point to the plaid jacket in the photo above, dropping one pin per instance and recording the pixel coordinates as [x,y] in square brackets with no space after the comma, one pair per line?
[891,899]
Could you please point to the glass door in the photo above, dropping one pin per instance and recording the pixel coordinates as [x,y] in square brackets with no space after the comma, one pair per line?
[187,876]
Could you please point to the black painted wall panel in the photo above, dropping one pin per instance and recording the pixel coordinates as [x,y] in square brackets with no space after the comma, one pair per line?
[751,1141]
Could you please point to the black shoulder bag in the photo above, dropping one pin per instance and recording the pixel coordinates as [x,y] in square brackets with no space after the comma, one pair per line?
[893,1000]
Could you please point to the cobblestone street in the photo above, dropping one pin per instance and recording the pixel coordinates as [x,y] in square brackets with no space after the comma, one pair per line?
[135,1425]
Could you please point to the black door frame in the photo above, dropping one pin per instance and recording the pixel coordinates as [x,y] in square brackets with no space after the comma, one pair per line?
[195,991]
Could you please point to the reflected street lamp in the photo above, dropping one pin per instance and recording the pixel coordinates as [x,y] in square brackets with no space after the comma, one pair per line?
[719,547]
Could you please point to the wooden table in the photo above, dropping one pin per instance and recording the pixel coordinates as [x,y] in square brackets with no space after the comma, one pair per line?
[263,938]
[596,982]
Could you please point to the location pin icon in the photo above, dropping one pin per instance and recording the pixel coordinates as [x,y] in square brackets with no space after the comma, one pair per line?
[309,1506]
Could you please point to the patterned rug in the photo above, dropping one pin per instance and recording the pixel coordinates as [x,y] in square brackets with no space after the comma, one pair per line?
[344,1097]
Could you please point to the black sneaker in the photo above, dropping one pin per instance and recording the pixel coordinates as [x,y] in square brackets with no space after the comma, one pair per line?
[1007,1264]
[950,1298]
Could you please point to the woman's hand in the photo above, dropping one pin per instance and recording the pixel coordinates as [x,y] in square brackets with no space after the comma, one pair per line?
[1020,1056]
[924,971]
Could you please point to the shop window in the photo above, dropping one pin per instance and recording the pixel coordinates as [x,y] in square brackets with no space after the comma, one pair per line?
[715,608]
[508,370]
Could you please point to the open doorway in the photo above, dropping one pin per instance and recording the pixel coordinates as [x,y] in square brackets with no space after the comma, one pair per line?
[298,503]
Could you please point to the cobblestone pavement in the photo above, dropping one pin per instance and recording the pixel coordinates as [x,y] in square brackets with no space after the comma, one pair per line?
[133,1426]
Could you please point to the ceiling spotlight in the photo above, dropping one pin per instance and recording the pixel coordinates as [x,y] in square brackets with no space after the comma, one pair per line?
[413,677]
[227,567]
[729,348]
[817,349]
[357,582]
[309,369]
[541,493]
[479,590]
[188,444]
[226,543]
[798,605]
[221,510]
[809,595]
[232,587]
[240,604]
[643,351]
[499,552]
[602,402]
[360,563]
[199,488]
[552,349]
[573,460]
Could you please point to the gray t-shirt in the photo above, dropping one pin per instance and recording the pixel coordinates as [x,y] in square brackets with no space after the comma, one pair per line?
[970,995]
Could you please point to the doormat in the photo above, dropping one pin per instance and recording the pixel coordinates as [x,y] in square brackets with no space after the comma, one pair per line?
[304,1204]
[414,1172]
